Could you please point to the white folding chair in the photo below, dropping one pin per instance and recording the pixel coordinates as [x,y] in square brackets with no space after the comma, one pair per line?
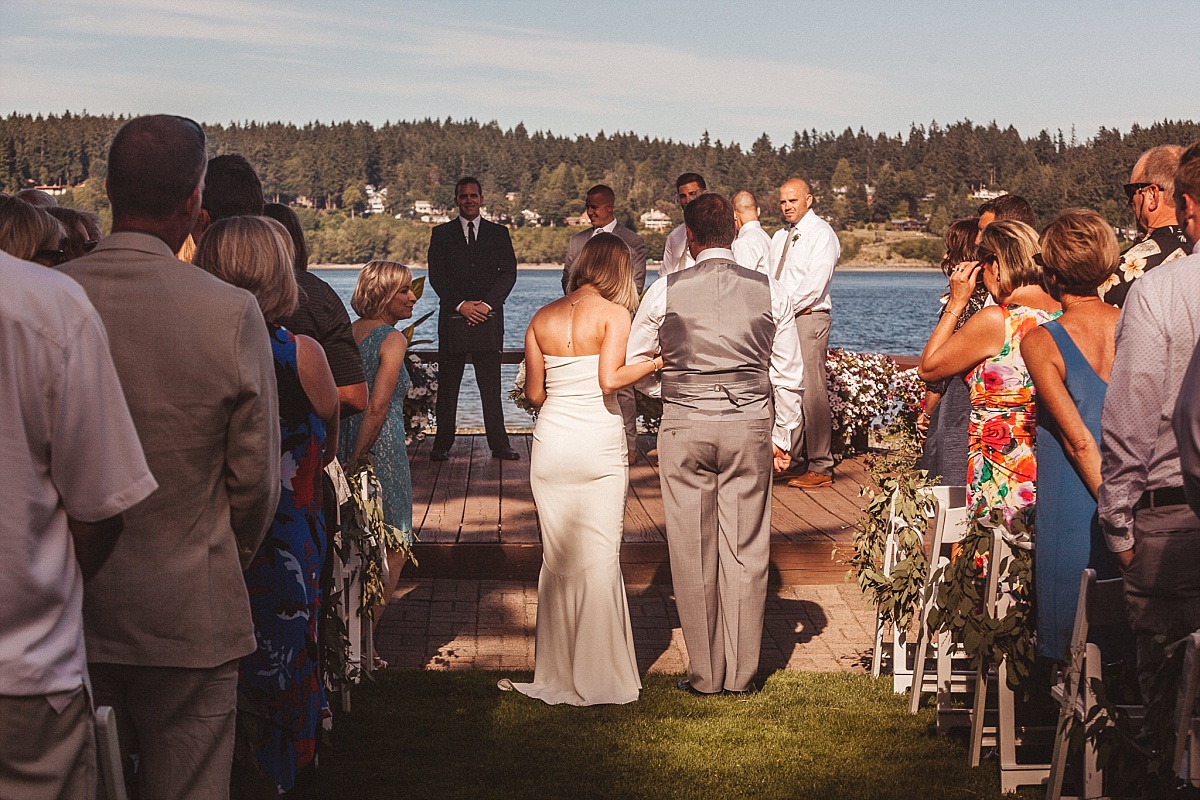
[1187,730]
[108,754]
[1100,603]
[897,648]
[950,676]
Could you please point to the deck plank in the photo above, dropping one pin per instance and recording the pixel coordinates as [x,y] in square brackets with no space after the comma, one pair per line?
[481,507]
[518,514]
[443,519]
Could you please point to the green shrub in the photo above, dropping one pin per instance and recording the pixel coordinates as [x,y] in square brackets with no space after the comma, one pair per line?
[851,244]
[925,248]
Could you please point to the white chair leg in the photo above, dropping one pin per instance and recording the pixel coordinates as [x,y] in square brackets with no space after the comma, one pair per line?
[108,754]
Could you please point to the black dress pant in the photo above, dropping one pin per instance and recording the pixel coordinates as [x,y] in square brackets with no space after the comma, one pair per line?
[487,377]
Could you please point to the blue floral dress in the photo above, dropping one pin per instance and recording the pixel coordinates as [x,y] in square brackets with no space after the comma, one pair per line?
[390,452]
[282,697]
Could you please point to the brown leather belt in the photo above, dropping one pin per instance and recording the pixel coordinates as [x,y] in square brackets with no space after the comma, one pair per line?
[808,311]
[1157,498]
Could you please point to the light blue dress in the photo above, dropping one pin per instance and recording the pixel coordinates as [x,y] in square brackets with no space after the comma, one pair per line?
[1068,531]
[391,455]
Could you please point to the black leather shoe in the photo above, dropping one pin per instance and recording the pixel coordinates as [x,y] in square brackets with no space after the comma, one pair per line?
[686,686]
[439,455]
[751,689]
[507,454]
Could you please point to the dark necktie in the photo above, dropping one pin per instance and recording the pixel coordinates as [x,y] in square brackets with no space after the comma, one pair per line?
[471,233]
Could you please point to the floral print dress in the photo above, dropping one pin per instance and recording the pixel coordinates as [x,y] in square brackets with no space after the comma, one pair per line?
[281,694]
[1001,466]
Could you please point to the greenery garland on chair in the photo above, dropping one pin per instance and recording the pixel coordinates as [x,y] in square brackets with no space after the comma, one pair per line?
[959,607]
[900,497]
[365,534]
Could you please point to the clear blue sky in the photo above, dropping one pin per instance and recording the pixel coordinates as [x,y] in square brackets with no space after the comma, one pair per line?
[665,69]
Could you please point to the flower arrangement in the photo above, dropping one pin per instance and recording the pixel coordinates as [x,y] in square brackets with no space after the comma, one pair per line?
[421,397]
[868,390]
[517,393]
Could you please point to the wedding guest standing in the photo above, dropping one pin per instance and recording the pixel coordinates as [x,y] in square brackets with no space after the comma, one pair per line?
[946,410]
[281,680]
[382,297]
[1002,468]
[676,255]
[1070,359]
[167,617]
[472,267]
[71,465]
[804,253]
[1143,508]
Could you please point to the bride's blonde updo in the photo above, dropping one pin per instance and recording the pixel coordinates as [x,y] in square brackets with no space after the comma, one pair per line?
[604,263]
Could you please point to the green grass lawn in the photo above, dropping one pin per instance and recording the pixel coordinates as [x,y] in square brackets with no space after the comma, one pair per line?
[806,735]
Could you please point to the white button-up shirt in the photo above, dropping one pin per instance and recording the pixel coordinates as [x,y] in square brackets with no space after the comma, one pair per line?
[752,247]
[676,254]
[808,271]
[786,369]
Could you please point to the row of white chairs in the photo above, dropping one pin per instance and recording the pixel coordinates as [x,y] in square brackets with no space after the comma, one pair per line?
[940,664]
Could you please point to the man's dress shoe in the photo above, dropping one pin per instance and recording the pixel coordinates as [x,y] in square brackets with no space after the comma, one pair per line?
[439,455]
[686,686]
[507,454]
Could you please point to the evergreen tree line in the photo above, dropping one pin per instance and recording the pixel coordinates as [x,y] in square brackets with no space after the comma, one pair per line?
[930,171]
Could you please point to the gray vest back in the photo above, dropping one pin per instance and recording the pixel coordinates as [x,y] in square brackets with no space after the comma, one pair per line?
[716,339]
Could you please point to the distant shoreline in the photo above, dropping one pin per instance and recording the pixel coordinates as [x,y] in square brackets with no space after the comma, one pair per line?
[915,269]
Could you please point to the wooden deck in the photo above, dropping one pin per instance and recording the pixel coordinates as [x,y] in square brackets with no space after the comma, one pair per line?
[475,518]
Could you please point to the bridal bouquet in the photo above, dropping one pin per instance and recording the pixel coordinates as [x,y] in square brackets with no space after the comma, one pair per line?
[517,393]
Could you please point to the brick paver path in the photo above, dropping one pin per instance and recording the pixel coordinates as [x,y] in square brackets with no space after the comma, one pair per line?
[460,624]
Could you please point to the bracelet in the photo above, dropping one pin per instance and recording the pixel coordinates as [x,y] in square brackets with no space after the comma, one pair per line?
[951,313]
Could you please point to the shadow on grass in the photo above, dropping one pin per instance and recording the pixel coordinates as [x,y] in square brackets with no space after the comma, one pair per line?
[806,735]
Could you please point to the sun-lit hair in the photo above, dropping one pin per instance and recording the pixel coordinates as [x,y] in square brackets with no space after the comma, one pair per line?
[1080,250]
[604,263]
[26,229]
[378,283]
[81,228]
[960,243]
[1158,167]
[1013,244]
[1187,177]
[254,253]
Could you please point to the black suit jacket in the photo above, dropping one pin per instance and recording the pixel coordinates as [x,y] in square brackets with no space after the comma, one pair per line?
[486,271]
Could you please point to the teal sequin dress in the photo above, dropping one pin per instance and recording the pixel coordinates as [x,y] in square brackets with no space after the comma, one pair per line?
[389,451]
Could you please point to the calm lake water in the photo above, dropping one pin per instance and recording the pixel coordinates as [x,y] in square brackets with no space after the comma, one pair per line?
[875,312]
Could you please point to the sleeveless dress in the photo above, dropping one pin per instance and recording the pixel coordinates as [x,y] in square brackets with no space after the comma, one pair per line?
[579,473]
[280,683]
[1069,537]
[391,454]
[1002,467]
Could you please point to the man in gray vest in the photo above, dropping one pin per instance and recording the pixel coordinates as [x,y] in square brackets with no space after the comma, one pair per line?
[728,340]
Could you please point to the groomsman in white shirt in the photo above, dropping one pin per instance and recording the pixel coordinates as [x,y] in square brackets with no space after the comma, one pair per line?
[803,255]
[752,246]
[676,255]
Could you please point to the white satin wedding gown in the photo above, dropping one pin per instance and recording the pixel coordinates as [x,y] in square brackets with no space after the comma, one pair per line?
[579,472]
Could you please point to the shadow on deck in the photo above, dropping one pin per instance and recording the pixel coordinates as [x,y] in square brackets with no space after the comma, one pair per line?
[475,519]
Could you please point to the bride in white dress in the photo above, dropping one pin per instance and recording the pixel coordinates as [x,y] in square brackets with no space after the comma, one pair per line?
[574,361]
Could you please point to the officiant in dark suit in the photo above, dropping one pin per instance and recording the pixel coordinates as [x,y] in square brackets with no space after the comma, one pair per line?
[472,267]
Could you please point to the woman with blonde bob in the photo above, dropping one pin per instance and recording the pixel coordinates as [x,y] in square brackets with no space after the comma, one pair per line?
[1070,360]
[574,361]
[284,578]
[382,297]
[30,234]
[1000,441]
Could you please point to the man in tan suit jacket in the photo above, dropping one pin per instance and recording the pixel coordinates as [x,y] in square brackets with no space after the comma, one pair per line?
[167,617]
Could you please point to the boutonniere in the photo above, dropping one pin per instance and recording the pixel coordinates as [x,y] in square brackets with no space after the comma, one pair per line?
[795,237]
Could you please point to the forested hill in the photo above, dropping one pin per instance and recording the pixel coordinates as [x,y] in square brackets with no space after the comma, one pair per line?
[929,170]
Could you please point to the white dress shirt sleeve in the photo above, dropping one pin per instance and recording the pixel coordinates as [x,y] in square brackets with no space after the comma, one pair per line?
[810,261]
[643,335]
[786,370]
[674,252]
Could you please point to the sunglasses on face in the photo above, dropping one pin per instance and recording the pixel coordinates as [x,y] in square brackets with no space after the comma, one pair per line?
[1133,188]
[55,257]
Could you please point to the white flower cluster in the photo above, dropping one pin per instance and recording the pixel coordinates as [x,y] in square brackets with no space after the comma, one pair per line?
[867,390]
[420,399]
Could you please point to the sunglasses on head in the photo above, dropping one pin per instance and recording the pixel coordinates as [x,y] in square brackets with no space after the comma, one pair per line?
[1133,188]
[55,257]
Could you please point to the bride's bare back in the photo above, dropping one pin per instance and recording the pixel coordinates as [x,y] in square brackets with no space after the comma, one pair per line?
[574,325]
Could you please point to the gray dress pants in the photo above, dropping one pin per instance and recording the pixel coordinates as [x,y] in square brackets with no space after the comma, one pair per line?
[716,488]
[812,440]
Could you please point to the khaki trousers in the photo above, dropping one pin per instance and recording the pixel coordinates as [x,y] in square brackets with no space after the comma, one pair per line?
[179,721]
[716,488]
[812,440]
[45,753]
